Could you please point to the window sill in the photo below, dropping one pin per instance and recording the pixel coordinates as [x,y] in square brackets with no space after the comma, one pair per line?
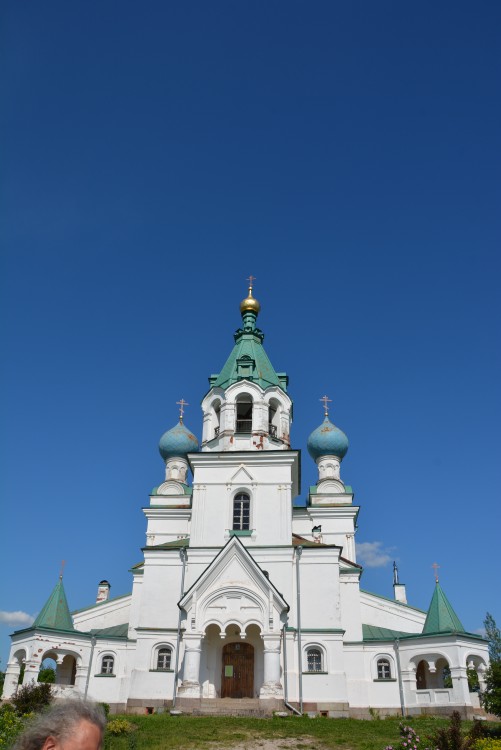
[105,675]
[385,679]
[240,532]
[161,670]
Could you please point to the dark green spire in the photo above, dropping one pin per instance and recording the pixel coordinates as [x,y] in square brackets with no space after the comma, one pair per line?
[248,359]
[56,613]
[441,618]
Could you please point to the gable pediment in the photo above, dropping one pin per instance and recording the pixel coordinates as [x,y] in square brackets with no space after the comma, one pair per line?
[241,476]
[233,588]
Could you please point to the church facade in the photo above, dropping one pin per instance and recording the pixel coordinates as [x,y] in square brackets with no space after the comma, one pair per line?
[245,596]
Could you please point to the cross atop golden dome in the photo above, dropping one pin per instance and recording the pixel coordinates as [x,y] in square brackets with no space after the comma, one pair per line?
[250,304]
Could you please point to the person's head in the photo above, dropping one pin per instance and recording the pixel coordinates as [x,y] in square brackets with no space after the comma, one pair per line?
[69,725]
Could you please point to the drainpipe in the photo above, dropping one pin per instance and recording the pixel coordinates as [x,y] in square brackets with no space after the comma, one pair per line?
[93,642]
[399,675]
[184,556]
[287,704]
[299,552]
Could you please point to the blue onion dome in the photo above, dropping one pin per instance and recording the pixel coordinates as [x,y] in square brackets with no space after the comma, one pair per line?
[327,440]
[177,442]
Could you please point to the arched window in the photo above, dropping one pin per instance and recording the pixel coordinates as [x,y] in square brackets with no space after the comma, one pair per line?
[217,416]
[273,418]
[383,669]
[164,658]
[107,664]
[241,512]
[314,660]
[244,413]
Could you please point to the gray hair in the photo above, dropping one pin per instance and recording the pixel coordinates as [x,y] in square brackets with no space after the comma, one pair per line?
[59,722]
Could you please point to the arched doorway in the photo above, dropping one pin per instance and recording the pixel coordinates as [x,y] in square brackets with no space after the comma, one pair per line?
[237,676]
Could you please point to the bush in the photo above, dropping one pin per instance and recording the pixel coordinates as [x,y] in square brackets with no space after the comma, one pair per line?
[33,697]
[116,727]
[11,724]
[452,737]
[488,744]
[408,739]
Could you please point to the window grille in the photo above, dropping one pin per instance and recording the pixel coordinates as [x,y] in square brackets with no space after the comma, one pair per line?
[314,659]
[383,669]
[107,665]
[164,658]
[241,512]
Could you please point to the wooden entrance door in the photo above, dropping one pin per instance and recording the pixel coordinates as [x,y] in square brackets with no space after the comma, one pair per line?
[237,678]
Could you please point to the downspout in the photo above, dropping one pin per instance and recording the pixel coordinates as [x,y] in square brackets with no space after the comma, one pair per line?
[287,704]
[93,642]
[184,556]
[399,675]
[299,552]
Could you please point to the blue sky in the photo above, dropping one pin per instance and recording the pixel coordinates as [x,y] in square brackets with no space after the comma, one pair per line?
[155,155]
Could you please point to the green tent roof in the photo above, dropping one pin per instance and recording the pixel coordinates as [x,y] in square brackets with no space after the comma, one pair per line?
[56,613]
[248,359]
[441,618]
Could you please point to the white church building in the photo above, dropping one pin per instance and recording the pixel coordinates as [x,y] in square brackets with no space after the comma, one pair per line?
[246,601]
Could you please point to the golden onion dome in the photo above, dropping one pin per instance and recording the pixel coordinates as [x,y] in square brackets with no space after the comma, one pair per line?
[250,304]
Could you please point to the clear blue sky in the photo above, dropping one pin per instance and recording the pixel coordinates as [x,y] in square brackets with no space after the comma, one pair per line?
[156,154]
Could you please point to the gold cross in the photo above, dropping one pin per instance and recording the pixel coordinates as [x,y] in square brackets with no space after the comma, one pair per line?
[436,567]
[181,405]
[325,399]
[251,281]
[63,563]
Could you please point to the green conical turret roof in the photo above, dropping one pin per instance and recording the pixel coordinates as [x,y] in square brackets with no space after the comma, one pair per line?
[248,359]
[441,618]
[56,613]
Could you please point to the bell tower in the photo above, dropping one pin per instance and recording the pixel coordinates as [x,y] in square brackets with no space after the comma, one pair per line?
[247,406]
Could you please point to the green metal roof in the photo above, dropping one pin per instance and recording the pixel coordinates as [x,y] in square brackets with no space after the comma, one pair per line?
[374,633]
[249,361]
[175,544]
[116,631]
[441,618]
[56,613]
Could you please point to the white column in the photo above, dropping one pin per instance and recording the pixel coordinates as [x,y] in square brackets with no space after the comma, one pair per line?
[31,670]
[190,687]
[460,689]
[11,679]
[272,686]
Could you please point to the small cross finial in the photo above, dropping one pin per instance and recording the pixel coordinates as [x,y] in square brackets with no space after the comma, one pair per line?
[251,281]
[326,400]
[182,403]
[63,563]
[435,567]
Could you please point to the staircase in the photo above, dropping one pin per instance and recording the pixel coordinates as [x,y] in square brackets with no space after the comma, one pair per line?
[230,706]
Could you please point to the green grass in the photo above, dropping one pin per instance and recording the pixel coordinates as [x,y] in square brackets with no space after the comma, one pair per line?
[165,732]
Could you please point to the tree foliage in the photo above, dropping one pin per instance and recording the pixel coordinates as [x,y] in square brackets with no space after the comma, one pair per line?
[493,635]
[47,675]
[491,697]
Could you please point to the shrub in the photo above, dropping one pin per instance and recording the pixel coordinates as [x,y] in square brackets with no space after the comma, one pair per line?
[106,708]
[488,743]
[33,697]
[409,740]
[11,724]
[116,727]
[451,737]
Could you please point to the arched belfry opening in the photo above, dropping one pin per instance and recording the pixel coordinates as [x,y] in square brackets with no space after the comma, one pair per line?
[243,422]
